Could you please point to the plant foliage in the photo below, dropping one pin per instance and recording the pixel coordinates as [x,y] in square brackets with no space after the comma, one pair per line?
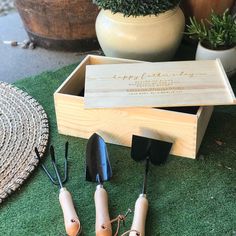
[218,33]
[137,7]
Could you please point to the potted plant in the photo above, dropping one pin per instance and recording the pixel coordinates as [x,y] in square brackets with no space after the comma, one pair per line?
[137,29]
[217,39]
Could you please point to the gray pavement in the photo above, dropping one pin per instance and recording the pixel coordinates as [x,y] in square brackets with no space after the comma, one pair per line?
[17,63]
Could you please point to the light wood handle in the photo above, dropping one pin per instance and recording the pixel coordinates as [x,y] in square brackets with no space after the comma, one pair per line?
[103,224]
[71,220]
[140,214]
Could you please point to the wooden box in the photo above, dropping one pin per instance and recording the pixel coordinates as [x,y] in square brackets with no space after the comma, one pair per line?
[184,126]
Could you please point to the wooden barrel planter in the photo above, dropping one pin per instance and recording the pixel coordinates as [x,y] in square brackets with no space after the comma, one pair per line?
[67,25]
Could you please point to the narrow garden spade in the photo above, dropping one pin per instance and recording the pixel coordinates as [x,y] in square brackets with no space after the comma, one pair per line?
[156,152]
[98,169]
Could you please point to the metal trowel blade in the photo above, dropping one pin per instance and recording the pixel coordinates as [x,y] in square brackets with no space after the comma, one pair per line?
[98,168]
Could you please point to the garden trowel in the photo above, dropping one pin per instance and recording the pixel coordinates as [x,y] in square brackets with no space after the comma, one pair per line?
[98,169]
[156,152]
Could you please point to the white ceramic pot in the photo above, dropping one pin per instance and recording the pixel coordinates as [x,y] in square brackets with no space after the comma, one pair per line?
[227,57]
[149,38]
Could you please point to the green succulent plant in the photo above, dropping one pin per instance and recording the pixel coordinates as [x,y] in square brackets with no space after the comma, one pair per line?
[218,33]
[137,7]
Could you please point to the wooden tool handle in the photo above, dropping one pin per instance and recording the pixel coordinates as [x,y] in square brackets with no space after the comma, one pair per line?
[140,214]
[103,224]
[71,220]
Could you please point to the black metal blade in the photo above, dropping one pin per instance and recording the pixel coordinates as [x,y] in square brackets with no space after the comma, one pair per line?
[156,150]
[98,168]
[140,148]
[159,151]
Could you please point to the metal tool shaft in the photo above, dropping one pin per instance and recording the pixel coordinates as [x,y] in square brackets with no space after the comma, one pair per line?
[55,167]
[144,190]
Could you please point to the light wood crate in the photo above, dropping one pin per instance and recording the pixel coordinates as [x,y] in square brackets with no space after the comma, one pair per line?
[118,125]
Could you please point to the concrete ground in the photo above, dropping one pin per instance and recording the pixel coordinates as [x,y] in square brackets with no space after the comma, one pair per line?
[17,63]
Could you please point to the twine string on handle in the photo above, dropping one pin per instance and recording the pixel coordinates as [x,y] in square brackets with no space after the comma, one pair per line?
[120,218]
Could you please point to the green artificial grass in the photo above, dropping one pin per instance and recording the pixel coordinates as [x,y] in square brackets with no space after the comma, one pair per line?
[186,197]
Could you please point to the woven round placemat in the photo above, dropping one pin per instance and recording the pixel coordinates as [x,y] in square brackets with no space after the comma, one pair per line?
[23,126]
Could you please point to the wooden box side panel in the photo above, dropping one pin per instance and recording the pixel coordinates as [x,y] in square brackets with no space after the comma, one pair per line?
[118,125]
[203,120]
[99,60]
[75,82]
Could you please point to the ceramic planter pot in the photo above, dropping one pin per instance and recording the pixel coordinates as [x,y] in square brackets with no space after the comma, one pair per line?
[149,38]
[227,57]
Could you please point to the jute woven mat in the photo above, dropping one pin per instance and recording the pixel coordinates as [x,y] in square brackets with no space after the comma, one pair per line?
[23,126]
